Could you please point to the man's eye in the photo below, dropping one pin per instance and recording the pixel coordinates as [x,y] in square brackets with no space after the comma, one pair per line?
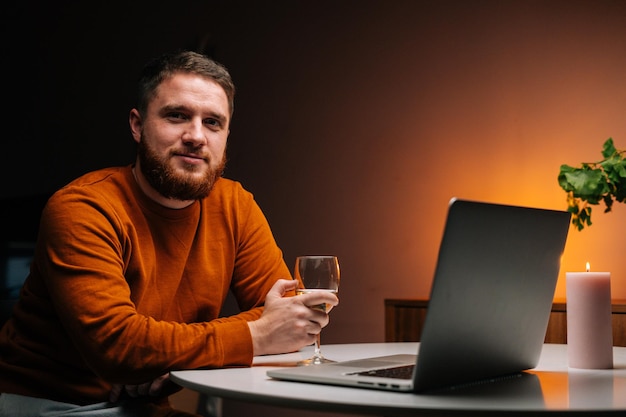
[175,115]
[212,123]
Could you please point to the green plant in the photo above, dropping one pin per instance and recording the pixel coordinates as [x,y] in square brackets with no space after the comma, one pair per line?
[594,182]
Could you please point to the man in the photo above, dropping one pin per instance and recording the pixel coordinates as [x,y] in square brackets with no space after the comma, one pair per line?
[133,264]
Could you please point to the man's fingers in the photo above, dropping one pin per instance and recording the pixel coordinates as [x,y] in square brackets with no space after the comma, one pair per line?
[324,301]
[132,390]
[158,385]
[281,287]
[116,390]
[152,388]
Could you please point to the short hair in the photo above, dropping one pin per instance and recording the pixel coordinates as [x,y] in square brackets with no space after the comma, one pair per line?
[166,65]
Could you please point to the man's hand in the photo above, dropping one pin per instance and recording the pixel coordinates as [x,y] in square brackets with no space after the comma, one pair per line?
[288,323]
[153,389]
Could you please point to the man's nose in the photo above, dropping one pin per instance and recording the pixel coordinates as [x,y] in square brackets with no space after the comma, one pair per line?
[194,132]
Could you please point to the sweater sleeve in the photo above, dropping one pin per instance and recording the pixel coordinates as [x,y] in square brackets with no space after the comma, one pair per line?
[111,312]
[259,261]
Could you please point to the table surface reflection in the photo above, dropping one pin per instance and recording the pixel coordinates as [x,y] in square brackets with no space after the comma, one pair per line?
[551,387]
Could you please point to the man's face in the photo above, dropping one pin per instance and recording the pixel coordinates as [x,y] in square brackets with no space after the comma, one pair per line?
[182,138]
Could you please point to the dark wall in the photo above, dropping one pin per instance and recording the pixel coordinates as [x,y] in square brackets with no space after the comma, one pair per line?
[69,71]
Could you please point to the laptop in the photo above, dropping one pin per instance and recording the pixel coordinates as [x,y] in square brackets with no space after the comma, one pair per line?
[488,310]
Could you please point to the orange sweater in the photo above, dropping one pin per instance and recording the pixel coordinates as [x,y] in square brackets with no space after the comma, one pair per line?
[123,290]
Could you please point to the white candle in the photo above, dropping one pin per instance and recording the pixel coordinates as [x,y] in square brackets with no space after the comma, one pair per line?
[589,329]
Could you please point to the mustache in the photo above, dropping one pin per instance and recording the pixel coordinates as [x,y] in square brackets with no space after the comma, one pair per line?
[191,151]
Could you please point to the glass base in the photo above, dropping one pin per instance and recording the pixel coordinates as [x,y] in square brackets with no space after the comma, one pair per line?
[315,360]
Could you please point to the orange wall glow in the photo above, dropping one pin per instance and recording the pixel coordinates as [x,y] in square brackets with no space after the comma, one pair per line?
[382,114]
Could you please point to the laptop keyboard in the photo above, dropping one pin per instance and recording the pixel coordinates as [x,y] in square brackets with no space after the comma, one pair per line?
[397,372]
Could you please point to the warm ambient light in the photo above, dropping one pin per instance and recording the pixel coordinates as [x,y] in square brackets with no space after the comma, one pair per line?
[588,267]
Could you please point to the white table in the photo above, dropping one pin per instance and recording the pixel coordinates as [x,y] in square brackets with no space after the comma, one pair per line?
[551,388]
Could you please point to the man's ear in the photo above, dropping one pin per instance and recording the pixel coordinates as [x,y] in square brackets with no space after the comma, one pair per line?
[135,122]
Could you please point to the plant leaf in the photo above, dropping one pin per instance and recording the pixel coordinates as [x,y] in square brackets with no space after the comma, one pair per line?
[608,149]
[587,184]
[563,181]
[594,182]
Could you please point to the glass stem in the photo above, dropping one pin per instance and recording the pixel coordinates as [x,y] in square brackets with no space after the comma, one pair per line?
[317,354]
[318,349]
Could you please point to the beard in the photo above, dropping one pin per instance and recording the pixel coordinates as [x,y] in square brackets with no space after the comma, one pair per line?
[169,183]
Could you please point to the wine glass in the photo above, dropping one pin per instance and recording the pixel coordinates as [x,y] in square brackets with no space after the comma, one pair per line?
[317,273]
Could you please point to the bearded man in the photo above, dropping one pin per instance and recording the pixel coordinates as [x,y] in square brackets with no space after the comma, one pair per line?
[134,263]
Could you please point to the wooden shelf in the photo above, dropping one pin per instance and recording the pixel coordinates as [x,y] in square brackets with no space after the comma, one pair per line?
[404,319]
